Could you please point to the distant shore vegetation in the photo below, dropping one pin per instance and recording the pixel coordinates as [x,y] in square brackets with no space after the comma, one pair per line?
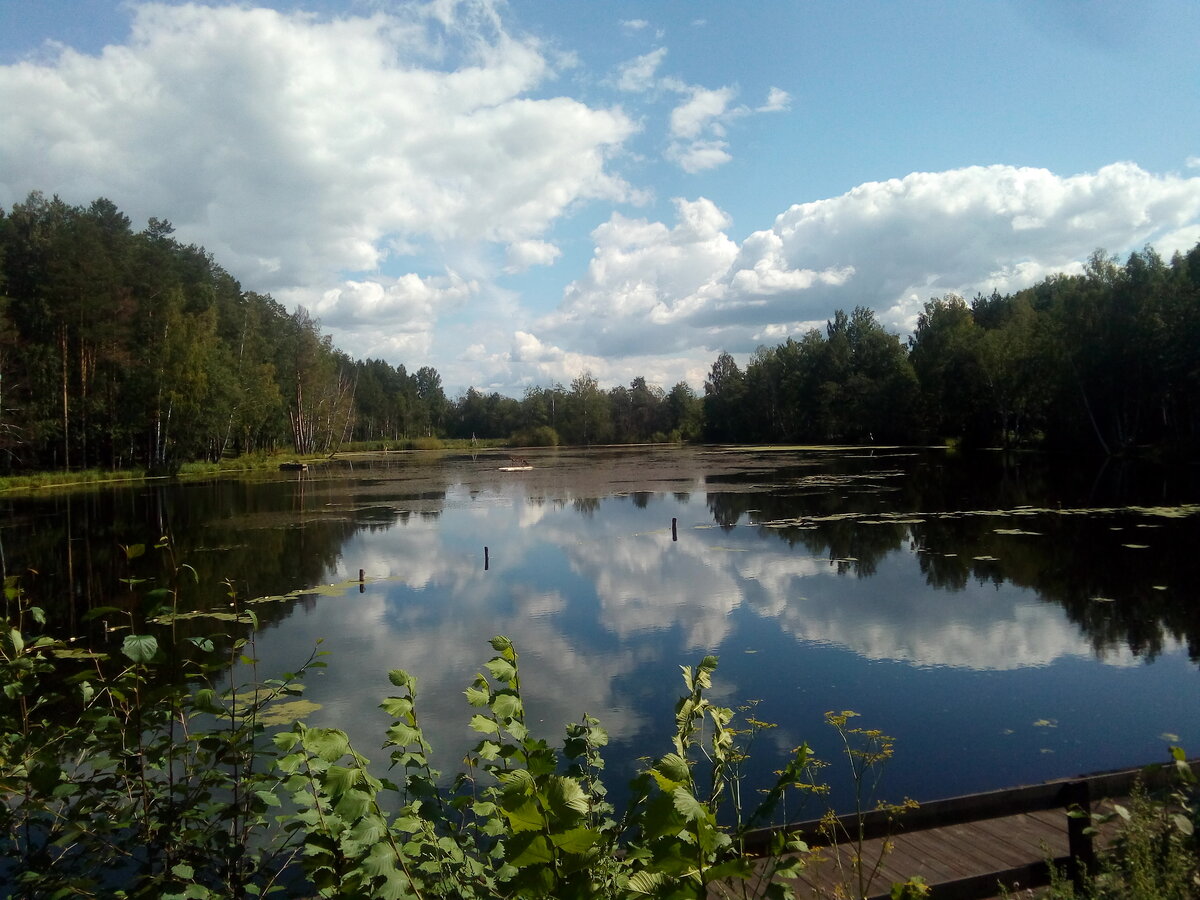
[128,350]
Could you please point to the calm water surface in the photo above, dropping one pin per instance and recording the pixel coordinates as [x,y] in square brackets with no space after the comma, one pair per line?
[1006,621]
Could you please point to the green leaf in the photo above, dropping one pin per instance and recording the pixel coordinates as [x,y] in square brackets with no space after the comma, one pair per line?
[400,678]
[140,648]
[339,779]
[687,805]
[182,870]
[133,551]
[402,734]
[477,696]
[502,645]
[1182,823]
[329,744]
[646,883]
[525,816]
[577,840]
[484,724]
[267,798]
[203,644]
[506,705]
[352,805]
[397,707]
[501,669]
[529,850]
[565,797]
[670,771]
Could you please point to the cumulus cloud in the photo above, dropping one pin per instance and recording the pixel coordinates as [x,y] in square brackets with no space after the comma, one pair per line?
[638,74]
[777,100]
[887,245]
[522,254]
[409,305]
[295,148]
[700,110]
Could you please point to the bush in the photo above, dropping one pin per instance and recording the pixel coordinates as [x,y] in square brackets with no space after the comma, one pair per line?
[539,436]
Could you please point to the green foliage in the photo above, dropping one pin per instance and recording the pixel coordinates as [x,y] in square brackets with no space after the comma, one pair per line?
[537,436]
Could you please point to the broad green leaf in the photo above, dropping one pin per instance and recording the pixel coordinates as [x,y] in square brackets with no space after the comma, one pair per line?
[182,870]
[501,669]
[267,798]
[352,805]
[577,840]
[566,797]
[339,779]
[525,816]
[646,883]
[400,678]
[327,743]
[506,705]
[673,767]
[529,850]
[401,735]
[397,707]
[133,551]
[381,860]
[140,648]
[484,724]
[477,696]
[687,805]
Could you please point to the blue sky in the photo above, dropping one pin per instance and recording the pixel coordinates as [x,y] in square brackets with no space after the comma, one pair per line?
[520,192]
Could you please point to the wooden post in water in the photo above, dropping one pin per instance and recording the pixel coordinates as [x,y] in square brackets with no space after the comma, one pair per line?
[485,559]
[674,529]
[361,587]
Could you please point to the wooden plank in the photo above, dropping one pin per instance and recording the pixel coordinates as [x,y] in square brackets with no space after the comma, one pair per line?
[966,846]
[972,807]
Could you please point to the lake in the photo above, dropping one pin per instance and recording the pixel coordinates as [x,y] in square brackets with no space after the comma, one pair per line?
[1007,618]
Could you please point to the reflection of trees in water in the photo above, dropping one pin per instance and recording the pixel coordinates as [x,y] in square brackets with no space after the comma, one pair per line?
[267,539]
[586,506]
[851,546]
[1107,589]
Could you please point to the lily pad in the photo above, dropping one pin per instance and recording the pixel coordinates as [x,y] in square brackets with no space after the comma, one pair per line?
[283,713]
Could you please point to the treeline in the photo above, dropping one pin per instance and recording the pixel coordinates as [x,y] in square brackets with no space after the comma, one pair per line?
[1108,361]
[123,348]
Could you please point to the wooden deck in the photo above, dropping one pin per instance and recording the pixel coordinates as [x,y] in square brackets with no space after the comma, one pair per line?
[969,860]
[966,848]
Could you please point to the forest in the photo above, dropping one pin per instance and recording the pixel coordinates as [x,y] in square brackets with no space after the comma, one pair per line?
[126,349]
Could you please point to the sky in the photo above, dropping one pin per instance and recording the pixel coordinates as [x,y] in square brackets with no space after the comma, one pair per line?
[520,192]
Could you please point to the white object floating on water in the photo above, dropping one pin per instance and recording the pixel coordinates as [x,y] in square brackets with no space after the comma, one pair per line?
[515,468]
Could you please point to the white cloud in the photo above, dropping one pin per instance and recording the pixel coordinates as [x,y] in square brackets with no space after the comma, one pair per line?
[887,245]
[699,111]
[1193,162]
[777,100]
[295,148]
[634,24]
[699,156]
[637,74]
[522,254]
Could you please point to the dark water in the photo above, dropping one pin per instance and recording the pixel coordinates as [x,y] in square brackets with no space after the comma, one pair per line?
[1006,619]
